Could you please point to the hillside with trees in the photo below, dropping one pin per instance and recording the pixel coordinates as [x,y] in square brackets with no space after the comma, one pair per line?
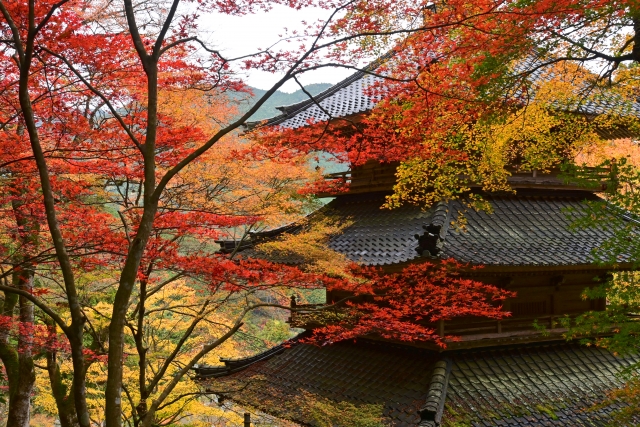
[278,99]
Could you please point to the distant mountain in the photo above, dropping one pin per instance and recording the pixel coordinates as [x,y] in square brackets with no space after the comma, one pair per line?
[278,99]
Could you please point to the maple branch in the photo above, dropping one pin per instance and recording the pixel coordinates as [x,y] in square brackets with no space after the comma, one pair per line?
[180,397]
[160,374]
[157,288]
[244,236]
[49,15]
[135,34]
[99,94]
[326,23]
[165,27]
[131,402]
[126,226]
[206,349]
[96,336]
[595,53]
[14,31]
[171,308]
[182,41]
[41,305]
[217,52]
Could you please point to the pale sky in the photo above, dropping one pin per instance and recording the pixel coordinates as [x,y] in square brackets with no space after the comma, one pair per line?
[236,36]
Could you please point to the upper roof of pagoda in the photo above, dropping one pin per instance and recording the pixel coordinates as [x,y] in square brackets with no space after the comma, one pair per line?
[353,96]
[530,227]
[346,98]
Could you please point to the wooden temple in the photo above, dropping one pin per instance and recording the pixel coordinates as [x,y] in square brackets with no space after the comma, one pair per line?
[500,373]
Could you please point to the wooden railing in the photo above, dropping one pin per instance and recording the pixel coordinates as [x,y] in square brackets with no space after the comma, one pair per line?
[309,316]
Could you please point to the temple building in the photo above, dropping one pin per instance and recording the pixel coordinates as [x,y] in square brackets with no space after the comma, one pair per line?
[499,373]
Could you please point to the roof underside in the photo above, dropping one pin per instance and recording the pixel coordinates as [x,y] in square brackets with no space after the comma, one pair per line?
[549,384]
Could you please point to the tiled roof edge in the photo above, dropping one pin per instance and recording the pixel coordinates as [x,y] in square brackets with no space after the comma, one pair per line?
[293,109]
[433,407]
[232,366]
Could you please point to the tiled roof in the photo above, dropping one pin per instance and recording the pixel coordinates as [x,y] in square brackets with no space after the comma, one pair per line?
[394,378]
[342,100]
[537,385]
[351,96]
[534,385]
[528,229]
[595,101]
[531,228]
[348,97]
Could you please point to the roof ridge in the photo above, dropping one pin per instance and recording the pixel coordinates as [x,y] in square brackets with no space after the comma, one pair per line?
[433,407]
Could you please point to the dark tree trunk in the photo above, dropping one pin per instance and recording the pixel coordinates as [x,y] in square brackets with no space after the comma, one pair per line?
[62,396]
[8,353]
[21,388]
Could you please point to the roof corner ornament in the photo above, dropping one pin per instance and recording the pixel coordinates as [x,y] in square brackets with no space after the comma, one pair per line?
[431,242]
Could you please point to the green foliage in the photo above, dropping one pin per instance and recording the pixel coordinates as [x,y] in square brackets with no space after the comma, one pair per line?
[327,413]
[275,331]
[618,327]
[618,213]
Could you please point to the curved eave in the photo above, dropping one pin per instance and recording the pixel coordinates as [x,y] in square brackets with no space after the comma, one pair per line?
[290,111]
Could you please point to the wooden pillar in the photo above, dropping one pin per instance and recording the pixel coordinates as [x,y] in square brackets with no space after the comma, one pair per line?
[556,303]
[247,419]
[441,328]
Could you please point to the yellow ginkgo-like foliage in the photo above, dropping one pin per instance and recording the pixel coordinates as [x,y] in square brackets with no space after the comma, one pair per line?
[537,130]
[309,246]
[229,178]
[267,189]
[169,314]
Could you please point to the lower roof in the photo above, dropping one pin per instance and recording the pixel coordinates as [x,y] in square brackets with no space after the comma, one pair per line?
[542,384]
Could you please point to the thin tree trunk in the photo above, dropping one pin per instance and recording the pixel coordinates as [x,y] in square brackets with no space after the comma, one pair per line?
[8,353]
[129,275]
[75,332]
[64,400]
[21,390]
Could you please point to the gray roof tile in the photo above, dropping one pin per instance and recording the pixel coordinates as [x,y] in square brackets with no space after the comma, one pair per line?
[549,384]
[353,95]
[527,229]
[531,228]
